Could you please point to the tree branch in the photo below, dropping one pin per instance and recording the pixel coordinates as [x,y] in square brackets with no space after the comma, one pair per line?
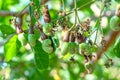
[26,11]
[112,38]
[9,13]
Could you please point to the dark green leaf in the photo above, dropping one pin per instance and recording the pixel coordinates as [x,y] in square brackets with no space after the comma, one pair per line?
[11,48]
[116,48]
[6,29]
[37,33]
[41,57]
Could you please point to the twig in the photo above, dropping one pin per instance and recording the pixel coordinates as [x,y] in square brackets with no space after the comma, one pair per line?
[97,23]
[9,13]
[74,10]
[112,38]
[21,13]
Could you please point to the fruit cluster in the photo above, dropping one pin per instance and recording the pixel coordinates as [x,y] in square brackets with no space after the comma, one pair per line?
[64,39]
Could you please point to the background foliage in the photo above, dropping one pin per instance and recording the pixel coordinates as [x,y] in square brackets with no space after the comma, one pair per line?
[19,62]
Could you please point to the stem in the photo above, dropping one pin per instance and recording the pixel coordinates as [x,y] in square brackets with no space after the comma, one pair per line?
[79,20]
[31,29]
[74,10]
[72,27]
[93,32]
[96,36]
[75,6]
[97,22]
[75,16]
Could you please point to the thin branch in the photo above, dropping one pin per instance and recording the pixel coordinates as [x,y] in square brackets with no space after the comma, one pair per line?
[97,22]
[21,13]
[9,13]
[112,38]
[74,10]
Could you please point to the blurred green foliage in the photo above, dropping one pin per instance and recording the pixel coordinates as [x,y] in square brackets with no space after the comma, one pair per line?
[24,64]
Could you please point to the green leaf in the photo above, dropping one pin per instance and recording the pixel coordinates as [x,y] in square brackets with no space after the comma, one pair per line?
[53,14]
[37,33]
[6,29]
[41,57]
[11,48]
[12,2]
[116,48]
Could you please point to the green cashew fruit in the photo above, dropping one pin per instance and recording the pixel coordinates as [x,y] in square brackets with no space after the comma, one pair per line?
[47,28]
[46,46]
[22,39]
[32,39]
[94,48]
[47,42]
[47,49]
[83,46]
[90,49]
[64,47]
[115,23]
[73,48]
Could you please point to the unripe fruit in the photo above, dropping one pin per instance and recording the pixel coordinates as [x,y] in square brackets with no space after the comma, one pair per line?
[90,49]
[47,26]
[64,47]
[22,39]
[46,46]
[47,29]
[47,49]
[83,46]
[32,39]
[58,35]
[47,42]
[94,48]
[73,48]
[115,23]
